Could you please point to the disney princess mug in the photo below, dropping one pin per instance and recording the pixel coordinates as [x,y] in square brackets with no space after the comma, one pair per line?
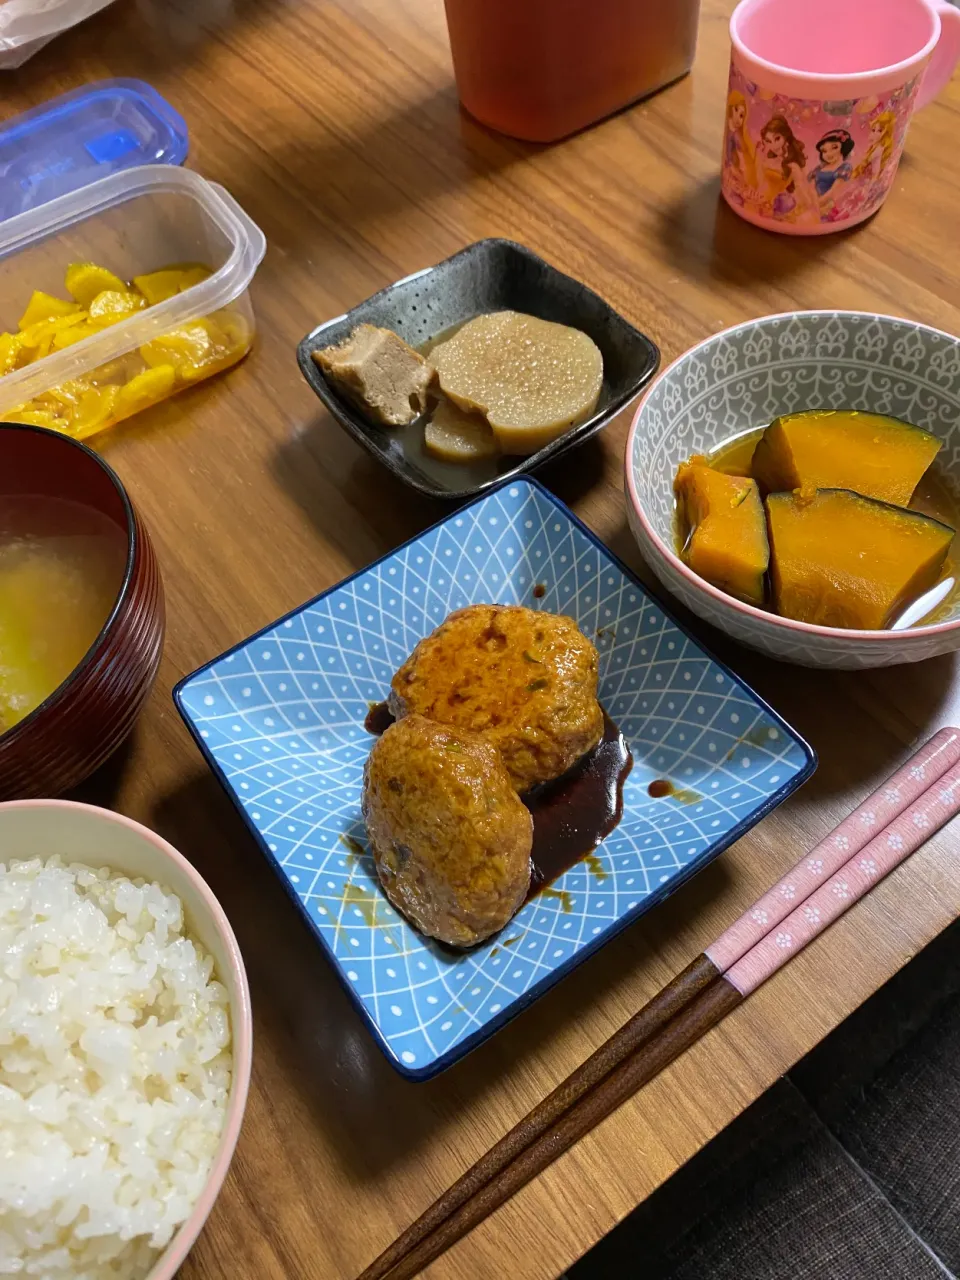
[820,96]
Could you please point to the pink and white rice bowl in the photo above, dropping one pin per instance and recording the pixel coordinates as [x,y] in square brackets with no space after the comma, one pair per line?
[125,1046]
[741,379]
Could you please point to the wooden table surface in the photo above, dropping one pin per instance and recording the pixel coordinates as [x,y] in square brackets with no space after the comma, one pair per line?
[335,124]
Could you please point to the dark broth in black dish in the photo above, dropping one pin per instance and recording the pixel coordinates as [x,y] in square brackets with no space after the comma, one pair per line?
[491,275]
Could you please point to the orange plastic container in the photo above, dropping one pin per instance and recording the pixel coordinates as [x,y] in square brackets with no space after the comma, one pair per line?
[542,69]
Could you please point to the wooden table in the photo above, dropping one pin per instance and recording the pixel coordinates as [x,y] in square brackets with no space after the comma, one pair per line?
[335,124]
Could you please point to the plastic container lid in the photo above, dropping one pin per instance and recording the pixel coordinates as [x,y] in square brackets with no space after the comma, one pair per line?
[82,136]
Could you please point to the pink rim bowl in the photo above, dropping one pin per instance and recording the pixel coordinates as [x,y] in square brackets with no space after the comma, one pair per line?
[85,833]
[742,378]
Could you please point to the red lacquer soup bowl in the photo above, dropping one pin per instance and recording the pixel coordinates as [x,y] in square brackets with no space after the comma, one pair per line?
[86,718]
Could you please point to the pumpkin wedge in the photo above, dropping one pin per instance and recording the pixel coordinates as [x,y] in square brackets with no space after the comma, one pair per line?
[839,559]
[727,540]
[869,453]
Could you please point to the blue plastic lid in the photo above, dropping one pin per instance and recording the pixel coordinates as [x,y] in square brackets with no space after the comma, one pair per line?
[84,135]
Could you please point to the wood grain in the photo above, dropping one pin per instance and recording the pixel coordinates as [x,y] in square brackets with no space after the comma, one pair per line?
[504,1169]
[706,1007]
[335,124]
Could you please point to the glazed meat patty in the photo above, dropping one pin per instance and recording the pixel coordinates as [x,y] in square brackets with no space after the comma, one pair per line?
[526,681]
[449,833]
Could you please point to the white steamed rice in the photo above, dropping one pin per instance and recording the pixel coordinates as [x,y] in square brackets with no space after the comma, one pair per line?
[115,1068]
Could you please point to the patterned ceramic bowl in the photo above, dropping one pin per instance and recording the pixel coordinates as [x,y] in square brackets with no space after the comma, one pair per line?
[86,718]
[746,376]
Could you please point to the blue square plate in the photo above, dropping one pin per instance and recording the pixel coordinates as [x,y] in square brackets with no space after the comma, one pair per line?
[280,720]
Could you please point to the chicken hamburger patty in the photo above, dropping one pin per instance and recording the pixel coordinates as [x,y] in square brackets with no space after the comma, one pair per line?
[525,680]
[450,836]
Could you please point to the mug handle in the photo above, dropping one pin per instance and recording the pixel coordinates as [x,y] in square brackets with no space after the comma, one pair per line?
[946,55]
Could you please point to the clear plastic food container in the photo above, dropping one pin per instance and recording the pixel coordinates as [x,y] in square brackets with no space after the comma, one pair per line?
[132,223]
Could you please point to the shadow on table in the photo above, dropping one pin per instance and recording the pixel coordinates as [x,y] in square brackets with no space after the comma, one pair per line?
[140,38]
[303,461]
[575,474]
[103,787]
[292,169]
[396,511]
[373,1117]
[702,237]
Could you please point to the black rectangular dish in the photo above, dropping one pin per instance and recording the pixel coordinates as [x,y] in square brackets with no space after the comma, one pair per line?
[490,275]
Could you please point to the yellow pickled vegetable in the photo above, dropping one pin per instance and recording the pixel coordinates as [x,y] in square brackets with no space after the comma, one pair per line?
[194,274]
[196,350]
[10,349]
[158,286]
[147,388]
[66,337]
[96,407]
[44,306]
[39,337]
[66,395]
[36,342]
[36,418]
[133,380]
[190,344]
[114,305]
[50,335]
[84,280]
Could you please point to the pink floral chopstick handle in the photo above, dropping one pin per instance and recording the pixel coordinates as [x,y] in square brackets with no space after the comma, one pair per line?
[928,765]
[926,815]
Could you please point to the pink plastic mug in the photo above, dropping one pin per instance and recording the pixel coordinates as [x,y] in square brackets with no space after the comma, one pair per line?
[820,96]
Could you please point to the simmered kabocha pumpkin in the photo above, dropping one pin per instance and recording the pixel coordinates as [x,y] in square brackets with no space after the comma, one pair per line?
[727,540]
[869,453]
[839,559]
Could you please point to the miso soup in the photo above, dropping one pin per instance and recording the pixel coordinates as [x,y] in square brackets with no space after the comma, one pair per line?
[61,569]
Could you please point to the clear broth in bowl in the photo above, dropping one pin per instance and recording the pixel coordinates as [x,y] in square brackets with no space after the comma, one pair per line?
[61,570]
[933,497]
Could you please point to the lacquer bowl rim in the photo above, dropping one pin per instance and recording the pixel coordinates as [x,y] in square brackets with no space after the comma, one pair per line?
[64,689]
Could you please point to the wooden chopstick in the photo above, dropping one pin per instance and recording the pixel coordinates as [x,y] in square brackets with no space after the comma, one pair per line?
[852,881]
[707,1008]
[678,1015]
[671,1000]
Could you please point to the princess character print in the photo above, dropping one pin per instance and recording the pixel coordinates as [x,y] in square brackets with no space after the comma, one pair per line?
[807,162]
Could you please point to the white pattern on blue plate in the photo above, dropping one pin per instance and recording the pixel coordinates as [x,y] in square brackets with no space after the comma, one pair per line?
[280,718]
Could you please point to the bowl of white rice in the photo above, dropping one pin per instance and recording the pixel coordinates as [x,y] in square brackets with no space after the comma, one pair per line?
[125,1046]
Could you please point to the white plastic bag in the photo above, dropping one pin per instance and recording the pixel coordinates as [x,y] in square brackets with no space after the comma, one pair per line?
[27,25]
